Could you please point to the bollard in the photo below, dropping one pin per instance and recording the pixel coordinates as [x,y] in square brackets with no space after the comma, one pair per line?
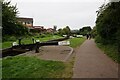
[19,41]
[37,47]
[33,40]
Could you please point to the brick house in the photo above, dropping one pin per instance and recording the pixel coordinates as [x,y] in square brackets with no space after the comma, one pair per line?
[49,30]
[39,29]
[28,22]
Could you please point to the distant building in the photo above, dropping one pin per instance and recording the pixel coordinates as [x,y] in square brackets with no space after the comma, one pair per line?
[50,30]
[28,22]
[39,29]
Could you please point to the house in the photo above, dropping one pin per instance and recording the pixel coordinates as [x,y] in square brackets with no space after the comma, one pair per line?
[39,29]
[28,22]
[49,30]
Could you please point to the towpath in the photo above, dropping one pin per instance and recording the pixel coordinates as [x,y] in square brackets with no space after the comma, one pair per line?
[91,62]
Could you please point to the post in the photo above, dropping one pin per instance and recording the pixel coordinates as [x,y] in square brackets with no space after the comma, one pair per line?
[19,41]
[33,40]
[37,46]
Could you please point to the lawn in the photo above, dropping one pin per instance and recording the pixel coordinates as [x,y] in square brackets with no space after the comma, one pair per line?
[31,67]
[29,40]
[75,42]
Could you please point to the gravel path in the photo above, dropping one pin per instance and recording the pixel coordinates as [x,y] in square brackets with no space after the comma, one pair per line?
[91,62]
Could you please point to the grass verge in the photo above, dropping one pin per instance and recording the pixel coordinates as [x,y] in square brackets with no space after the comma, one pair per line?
[111,51]
[31,67]
[74,42]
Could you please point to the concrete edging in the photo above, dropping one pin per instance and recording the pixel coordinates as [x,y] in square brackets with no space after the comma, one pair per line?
[68,54]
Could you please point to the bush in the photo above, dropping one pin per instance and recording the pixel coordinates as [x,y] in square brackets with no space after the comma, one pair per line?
[99,39]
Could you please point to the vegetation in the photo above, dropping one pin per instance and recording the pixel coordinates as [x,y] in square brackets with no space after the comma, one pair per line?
[94,32]
[31,67]
[65,31]
[75,42]
[85,30]
[9,21]
[110,50]
[107,24]
[28,40]
[108,29]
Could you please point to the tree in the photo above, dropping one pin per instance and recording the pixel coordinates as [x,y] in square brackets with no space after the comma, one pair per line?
[8,18]
[65,31]
[10,25]
[75,31]
[85,30]
[94,32]
[54,28]
[108,24]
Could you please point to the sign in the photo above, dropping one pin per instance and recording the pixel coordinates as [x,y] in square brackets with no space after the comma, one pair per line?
[37,40]
[64,43]
[14,44]
[78,36]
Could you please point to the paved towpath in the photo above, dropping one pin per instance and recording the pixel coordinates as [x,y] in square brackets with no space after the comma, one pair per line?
[91,62]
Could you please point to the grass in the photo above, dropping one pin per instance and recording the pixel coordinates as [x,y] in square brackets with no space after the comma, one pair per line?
[29,41]
[75,42]
[68,73]
[111,51]
[6,44]
[31,67]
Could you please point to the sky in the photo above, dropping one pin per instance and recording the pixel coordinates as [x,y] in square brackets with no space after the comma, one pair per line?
[73,13]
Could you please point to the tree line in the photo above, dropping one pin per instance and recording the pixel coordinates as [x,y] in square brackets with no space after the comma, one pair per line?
[108,24]
[107,29]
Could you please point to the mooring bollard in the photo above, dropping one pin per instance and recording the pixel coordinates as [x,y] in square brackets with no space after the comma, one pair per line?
[19,41]
[37,46]
[33,40]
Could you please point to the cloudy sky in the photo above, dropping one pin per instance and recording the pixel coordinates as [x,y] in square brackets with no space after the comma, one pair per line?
[73,13]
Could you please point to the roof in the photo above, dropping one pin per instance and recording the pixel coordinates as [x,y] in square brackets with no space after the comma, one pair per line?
[50,29]
[25,18]
[38,27]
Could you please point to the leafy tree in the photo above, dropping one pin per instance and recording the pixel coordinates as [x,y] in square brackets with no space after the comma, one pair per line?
[8,18]
[61,32]
[94,32]
[85,30]
[65,31]
[10,24]
[74,31]
[108,23]
[54,28]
